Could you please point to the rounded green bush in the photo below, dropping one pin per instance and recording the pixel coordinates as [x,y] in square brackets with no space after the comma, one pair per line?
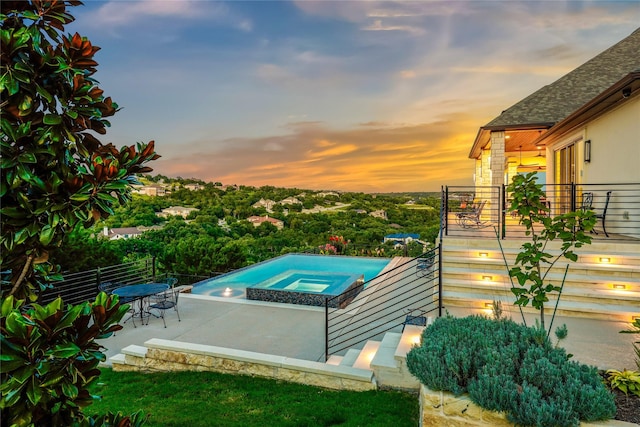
[509,367]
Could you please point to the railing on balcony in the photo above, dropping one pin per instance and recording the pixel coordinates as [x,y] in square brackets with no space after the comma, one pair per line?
[411,288]
[483,211]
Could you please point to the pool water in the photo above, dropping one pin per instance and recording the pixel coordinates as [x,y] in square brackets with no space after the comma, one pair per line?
[317,274]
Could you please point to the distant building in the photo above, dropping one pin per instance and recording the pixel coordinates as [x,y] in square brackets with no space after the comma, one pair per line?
[121,233]
[328,193]
[152,190]
[379,214]
[258,220]
[194,187]
[268,204]
[410,202]
[176,211]
[361,211]
[401,237]
[290,201]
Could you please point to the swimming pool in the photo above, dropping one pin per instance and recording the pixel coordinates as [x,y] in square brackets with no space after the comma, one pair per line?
[282,277]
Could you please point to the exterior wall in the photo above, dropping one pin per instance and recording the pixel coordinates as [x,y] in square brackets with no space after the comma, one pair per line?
[615,159]
[615,146]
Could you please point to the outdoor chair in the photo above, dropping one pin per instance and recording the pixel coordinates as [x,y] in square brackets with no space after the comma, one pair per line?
[424,266]
[471,218]
[587,205]
[414,319]
[170,282]
[168,300]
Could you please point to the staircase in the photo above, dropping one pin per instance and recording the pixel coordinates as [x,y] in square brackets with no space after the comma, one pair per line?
[387,359]
[377,364]
[604,283]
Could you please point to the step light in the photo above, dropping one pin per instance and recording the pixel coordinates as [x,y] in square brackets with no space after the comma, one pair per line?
[483,254]
[487,278]
[619,286]
[605,259]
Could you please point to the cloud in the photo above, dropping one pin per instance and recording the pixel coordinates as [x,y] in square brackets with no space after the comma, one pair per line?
[399,158]
[377,25]
[117,13]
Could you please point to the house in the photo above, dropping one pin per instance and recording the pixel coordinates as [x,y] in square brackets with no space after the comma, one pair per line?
[290,201]
[176,211]
[268,204]
[580,130]
[257,221]
[121,233]
[580,135]
[403,238]
[328,193]
[379,214]
[152,190]
[194,187]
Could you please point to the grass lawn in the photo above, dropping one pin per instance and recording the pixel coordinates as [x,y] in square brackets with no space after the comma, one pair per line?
[212,399]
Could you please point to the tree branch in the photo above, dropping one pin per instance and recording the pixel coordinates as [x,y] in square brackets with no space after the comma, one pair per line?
[23,274]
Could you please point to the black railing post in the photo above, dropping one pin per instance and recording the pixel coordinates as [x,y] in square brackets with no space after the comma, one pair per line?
[326,329]
[444,211]
[503,203]
[573,197]
[440,279]
[153,267]
[98,277]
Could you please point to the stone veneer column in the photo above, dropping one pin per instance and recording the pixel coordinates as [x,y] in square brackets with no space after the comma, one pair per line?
[497,172]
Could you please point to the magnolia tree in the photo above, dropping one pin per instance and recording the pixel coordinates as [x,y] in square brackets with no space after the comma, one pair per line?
[55,171]
[56,175]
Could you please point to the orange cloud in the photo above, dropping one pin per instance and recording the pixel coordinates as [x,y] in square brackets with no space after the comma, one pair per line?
[373,158]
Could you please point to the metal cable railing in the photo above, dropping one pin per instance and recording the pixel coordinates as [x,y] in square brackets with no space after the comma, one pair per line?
[411,288]
[83,286]
[480,211]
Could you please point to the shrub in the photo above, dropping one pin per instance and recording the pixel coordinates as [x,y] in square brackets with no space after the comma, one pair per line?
[625,381]
[50,357]
[509,367]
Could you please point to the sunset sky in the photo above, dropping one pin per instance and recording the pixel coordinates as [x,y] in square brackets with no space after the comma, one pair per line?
[347,95]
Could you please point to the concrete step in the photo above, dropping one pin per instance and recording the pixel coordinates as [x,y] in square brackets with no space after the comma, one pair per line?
[572,291]
[135,350]
[334,359]
[384,357]
[118,359]
[566,307]
[513,245]
[366,355]
[350,357]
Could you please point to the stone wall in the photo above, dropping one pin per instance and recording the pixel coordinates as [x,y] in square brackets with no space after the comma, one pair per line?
[168,356]
[441,408]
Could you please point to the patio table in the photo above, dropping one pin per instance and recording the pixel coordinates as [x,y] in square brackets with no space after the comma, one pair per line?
[140,293]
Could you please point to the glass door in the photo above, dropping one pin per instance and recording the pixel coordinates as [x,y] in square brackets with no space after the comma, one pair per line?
[565,175]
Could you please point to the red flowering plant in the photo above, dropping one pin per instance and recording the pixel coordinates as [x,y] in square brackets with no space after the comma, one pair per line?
[328,249]
[339,243]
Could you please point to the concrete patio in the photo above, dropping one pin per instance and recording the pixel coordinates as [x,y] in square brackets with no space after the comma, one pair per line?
[298,331]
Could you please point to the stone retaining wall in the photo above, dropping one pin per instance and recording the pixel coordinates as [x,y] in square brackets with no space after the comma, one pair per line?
[165,355]
[441,408]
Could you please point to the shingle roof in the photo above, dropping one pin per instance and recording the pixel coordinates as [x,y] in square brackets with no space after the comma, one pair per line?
[556,101]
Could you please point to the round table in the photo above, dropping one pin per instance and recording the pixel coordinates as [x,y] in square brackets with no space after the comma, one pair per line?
[140,292]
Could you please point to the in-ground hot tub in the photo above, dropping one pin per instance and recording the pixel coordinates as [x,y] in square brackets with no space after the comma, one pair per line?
[308,288]
[308,279]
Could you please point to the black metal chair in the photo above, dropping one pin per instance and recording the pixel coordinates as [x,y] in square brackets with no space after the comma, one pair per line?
[471,218]
[417,320]
[603,215]
[587,205]
[166,300]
